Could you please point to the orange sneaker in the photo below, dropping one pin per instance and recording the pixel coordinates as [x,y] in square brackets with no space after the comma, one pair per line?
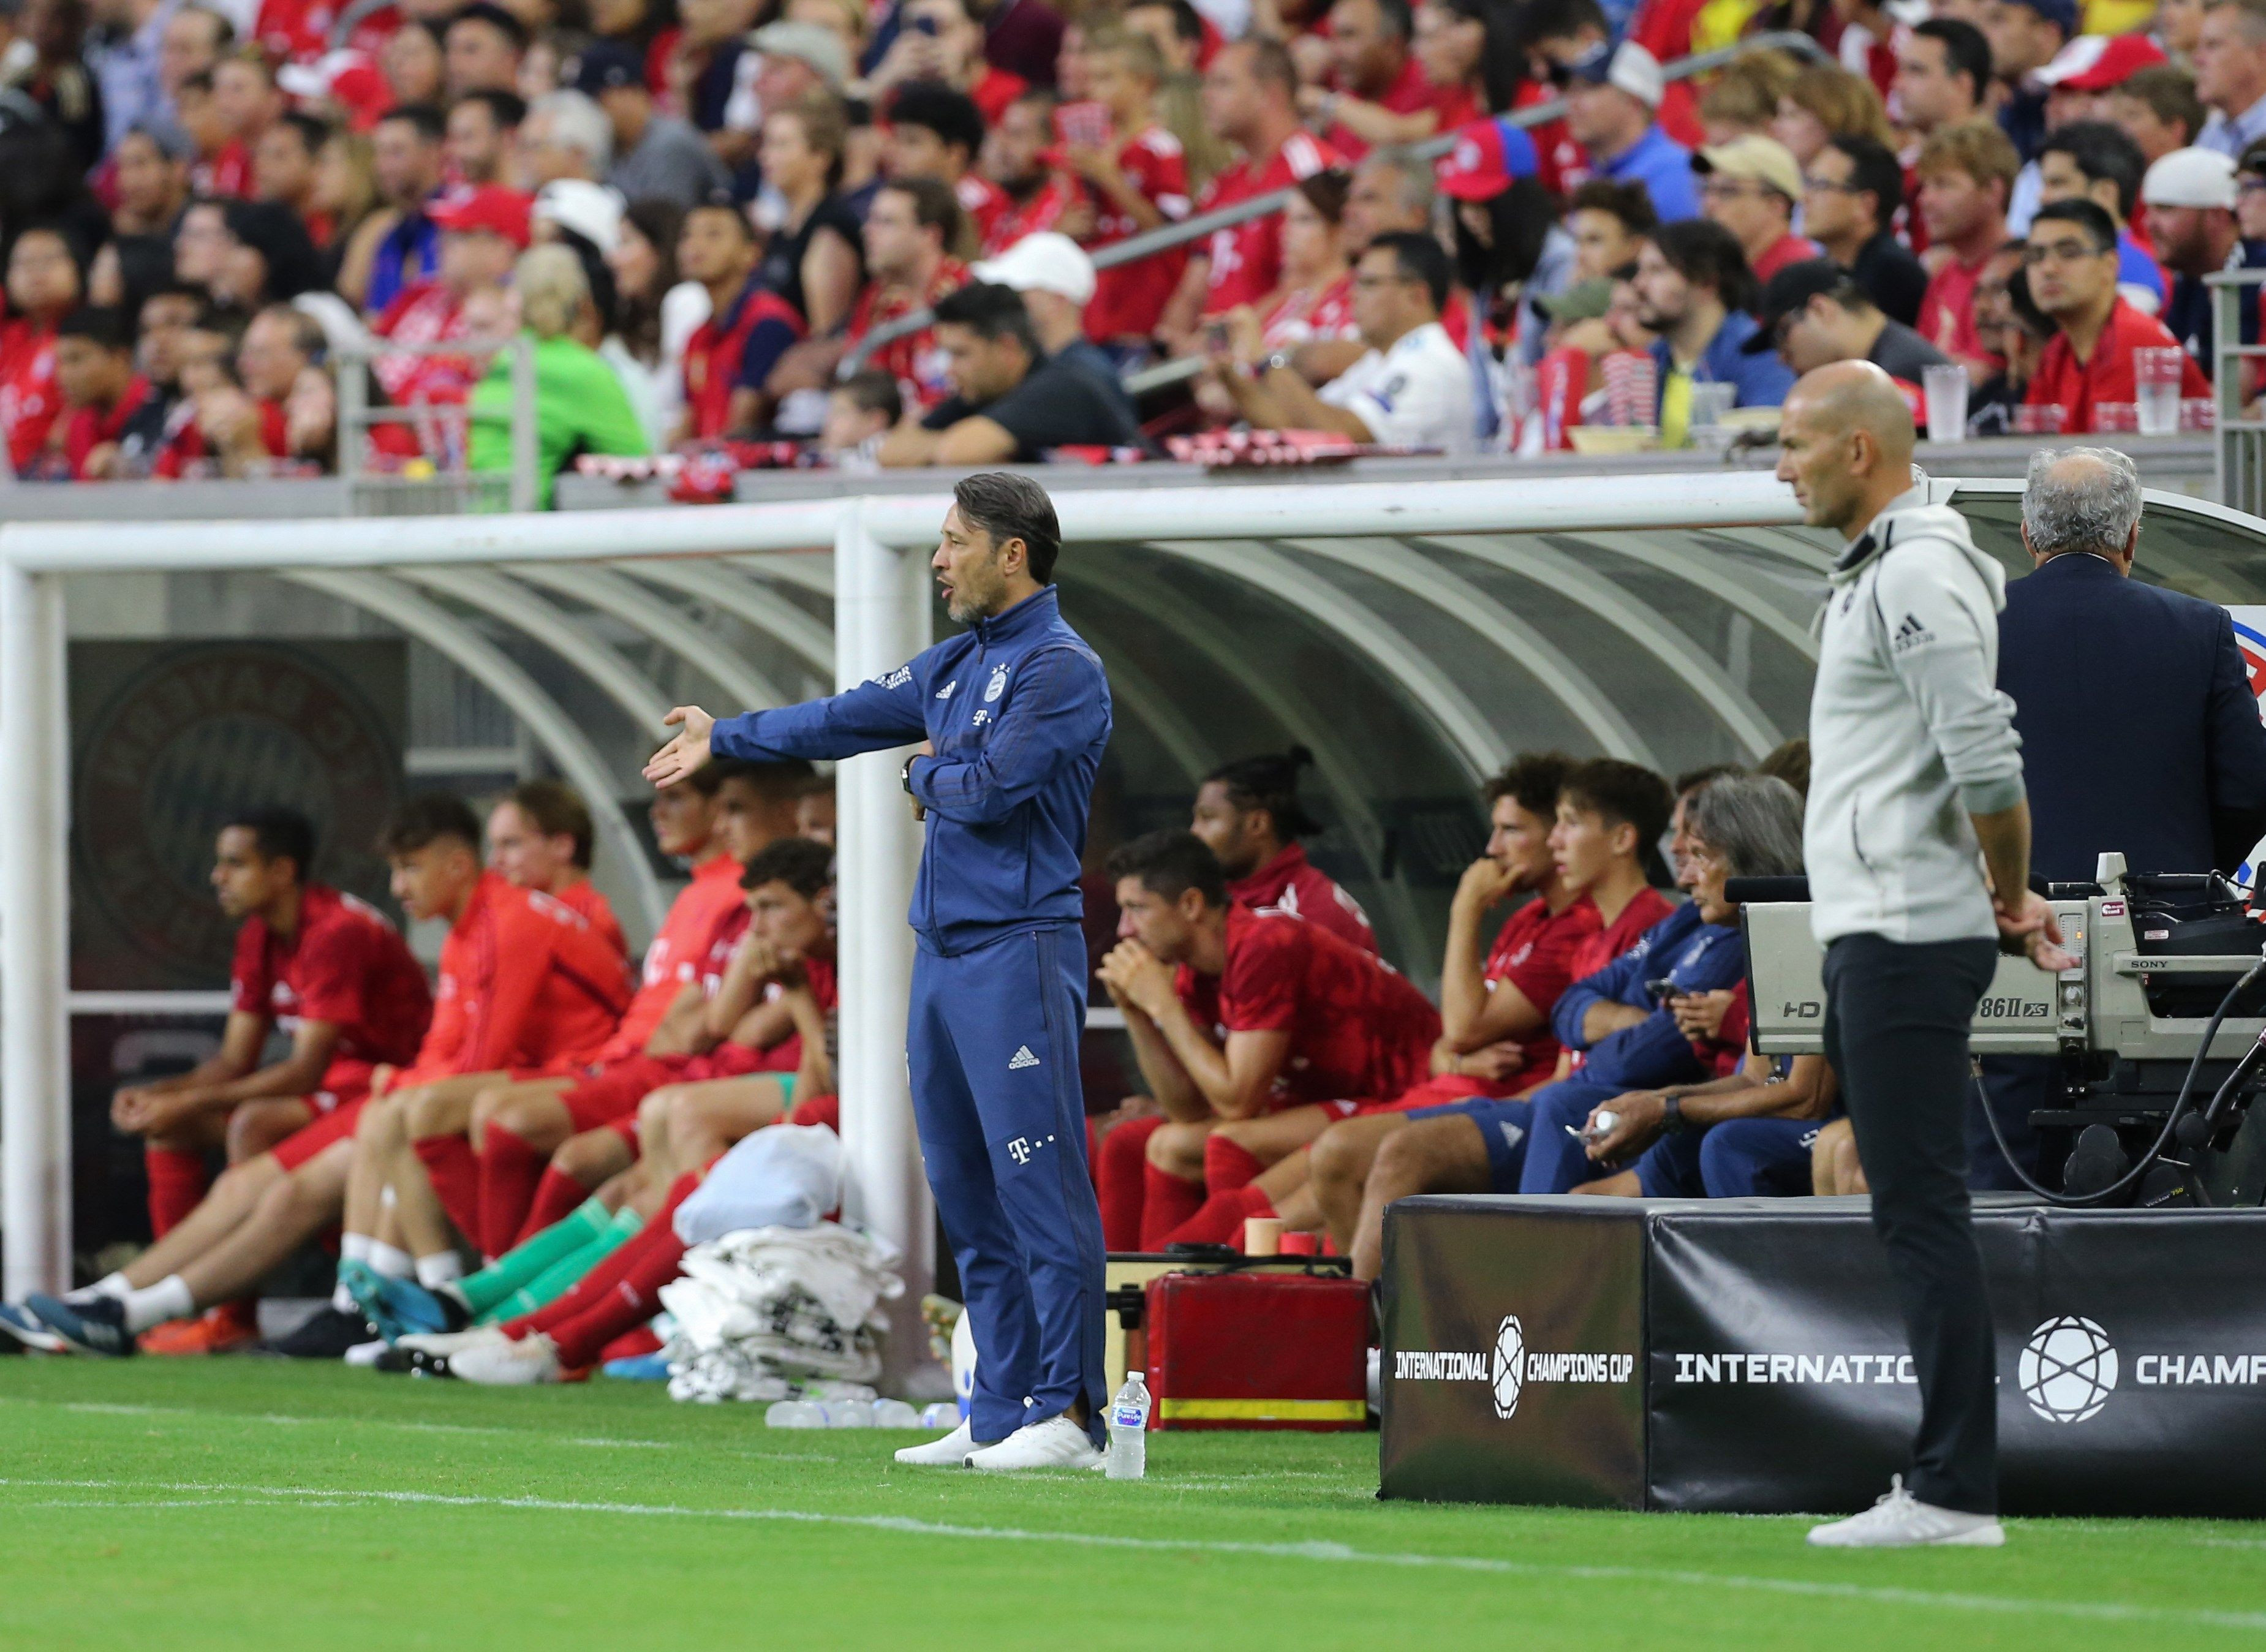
[219,1331]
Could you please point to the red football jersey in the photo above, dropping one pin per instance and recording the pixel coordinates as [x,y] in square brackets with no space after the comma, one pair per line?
[427,313]
[345,964]
[1645,909]
[1947,308]
[717,354]
[584,898]
[680,951]
[1305,317]
[29,400]
[729,1060]
[983,201]
[1128,299]
[1246,260]
[913,359]
[526,984]
[1294,886]
[1359,1029]
[87,429]
[1535,952]
[1043,211]
[2080,389]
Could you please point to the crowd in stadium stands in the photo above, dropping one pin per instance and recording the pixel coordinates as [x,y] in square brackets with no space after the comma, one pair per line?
[710,221]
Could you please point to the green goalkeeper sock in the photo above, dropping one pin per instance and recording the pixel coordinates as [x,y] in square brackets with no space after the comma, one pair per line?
[524,1264]
[563,1275]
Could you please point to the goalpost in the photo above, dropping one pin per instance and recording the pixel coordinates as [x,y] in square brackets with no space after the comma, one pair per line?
[882,603]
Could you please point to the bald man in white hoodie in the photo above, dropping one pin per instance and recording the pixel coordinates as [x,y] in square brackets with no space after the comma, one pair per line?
[1918,844]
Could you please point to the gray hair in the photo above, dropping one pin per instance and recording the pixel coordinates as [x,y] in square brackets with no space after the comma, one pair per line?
[1753,820]
[576,122]
[2080,499]
[1417,191]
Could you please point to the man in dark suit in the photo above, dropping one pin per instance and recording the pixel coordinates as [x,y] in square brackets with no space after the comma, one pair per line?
[2139,730]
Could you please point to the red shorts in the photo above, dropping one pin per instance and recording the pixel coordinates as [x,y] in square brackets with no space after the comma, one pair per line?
[342,1082]
[820,1109]
[1431,1093]
[611,1095]
[337,1125]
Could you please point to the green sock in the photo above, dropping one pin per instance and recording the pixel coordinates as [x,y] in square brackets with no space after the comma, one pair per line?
[563,1275]
[524,1263]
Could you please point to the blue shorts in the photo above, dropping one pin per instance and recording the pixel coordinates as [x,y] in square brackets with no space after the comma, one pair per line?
[1504,1129]
[1739,1159]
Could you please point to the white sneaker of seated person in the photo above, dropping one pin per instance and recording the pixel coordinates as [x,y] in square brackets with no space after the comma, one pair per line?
[951,1451]
[508,1364]
[1902,1521]
[452,1342]
[1057,1442]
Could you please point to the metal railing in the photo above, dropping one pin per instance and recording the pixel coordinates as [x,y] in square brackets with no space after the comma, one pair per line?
[441,493]
[1166,237]
[2240,448]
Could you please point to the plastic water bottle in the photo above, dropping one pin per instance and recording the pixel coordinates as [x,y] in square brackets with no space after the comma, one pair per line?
[795,1413]
[895,1413]
[848,1414]
[1129,1430]
[941,1413]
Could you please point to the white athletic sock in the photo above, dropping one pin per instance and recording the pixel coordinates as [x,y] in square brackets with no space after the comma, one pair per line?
[389,1261]
[168,1299]
[438,1270]
[108,1285]
[354,1248]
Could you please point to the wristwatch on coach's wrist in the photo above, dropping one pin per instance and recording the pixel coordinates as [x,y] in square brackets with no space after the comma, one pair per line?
[905,774]
[1671,1113]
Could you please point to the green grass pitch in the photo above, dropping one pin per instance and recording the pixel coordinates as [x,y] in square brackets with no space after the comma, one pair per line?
[240,1503]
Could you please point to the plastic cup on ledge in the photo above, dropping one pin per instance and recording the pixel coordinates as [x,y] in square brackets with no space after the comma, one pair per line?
[1945,386]
[2198,412]
[2116,418]
[2157,373]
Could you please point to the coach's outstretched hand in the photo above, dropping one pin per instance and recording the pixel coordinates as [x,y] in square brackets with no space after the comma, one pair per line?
[685,753]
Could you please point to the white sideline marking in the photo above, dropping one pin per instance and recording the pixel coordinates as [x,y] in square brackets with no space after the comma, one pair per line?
[1336,1553]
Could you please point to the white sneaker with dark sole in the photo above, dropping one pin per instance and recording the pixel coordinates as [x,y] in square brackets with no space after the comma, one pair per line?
[1902,1521]
[951,1451]
[1057,1442]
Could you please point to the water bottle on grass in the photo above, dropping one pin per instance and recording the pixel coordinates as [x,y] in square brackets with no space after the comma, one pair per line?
[1129,1430]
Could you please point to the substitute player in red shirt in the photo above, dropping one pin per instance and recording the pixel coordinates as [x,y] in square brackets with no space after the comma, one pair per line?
[1248,815]
[327,969]
[1266,1026]
[1249,94]
[541,837]
[524,983]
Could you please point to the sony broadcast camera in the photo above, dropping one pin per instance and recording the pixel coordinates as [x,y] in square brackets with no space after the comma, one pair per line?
[2145,1054]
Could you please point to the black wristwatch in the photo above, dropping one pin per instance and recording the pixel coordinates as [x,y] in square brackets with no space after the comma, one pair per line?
[1671,1113]
[905,774]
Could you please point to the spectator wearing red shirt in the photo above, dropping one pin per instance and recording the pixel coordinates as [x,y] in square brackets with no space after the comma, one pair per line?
[1267,1026]
[1314,303]
[245,99]
[749,327]
[1750,186]
[483,232]
[100,391]
[1018,157]
[1249,94]
[935,132]
[938,41]
[1965,173]
[284,170]
[222,165]
[911,225]
[1248,815]
[44,285]
[2072,258]
[1139,183]
[1379,92]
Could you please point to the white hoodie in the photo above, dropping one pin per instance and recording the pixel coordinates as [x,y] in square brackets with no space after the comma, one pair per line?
[1909,734]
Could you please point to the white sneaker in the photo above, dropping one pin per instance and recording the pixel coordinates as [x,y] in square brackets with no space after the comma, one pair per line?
[1057,1442]
[451,1342]
[508,1364]
[951,1451]
[1902,1521]
[365,1354]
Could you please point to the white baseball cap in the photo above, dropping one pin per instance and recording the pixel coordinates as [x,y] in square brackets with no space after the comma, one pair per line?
[591,211]
[1630,68]
[2190,177]
[1044,262]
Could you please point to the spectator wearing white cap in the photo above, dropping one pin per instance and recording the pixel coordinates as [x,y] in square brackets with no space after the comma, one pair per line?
[2188,196]
[1611,106]
[1750,186]
[1056,278]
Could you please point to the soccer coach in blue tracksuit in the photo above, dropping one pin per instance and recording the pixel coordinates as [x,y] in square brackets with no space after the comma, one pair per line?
[1017,711]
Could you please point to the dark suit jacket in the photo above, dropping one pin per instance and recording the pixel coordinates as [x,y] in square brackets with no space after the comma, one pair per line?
[2140,729]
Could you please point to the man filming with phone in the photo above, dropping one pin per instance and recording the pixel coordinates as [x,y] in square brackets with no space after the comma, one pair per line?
[1917,841]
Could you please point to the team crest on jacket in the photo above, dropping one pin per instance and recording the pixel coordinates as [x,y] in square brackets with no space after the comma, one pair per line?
[997,686]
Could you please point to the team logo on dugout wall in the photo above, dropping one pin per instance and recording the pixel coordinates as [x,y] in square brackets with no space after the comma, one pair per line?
[2067,1370]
